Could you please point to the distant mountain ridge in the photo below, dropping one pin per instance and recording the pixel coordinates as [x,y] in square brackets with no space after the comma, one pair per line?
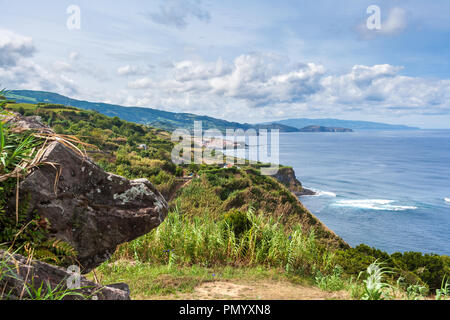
[172,120]
[336,123]
[156,118]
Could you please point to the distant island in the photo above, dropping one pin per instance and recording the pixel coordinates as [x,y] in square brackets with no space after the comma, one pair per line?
[324,129]
[336,123]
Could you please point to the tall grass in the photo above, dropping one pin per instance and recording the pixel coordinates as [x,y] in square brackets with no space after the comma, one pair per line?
[201,240]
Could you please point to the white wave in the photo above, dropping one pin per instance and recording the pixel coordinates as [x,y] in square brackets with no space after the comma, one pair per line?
[374,204]
[447,199]
[325,193]
[320,193]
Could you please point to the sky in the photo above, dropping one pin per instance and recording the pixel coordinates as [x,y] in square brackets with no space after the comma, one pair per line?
[245,61]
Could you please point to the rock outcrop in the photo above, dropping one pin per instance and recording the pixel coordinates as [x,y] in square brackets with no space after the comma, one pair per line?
[21,278]
[286,176]
[91,209]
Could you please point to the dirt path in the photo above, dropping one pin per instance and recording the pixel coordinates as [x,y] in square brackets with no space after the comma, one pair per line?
[256,290]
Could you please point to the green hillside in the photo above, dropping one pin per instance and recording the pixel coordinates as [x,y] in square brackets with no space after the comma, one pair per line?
[156,118]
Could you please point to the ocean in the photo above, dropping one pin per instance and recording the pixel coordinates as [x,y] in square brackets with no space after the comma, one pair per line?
[387,189]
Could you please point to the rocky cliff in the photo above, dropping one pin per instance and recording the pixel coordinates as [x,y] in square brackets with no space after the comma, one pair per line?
[286,175]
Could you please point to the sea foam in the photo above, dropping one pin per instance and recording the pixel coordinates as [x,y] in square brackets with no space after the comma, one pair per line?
[447,199]
[321,193]
[373,204]
[325,193]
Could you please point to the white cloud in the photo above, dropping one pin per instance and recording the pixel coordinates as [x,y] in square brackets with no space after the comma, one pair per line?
[130,70]
[61,66]
[175,13]
[29,75]
[256,79]
[190,70]
[19,71]
[14,47]
[381,89]
[277,87]
[396,21]
[143,83]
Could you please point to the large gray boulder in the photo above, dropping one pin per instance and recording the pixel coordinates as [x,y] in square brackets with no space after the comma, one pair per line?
[20,279]
[91,209]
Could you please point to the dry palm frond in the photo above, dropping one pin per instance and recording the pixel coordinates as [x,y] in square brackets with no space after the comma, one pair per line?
[37,159]
[67,140]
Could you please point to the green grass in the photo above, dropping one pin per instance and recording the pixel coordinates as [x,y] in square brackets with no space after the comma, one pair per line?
[331,282]
[208,241]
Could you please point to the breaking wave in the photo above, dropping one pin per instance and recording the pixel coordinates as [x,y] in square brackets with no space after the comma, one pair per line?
[325,193]
[374,204]
[320,193]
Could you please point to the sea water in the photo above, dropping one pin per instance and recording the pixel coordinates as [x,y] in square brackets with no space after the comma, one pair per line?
[390,190]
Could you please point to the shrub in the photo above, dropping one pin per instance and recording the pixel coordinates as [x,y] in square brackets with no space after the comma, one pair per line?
[414,267]
[237,221]
[429,268]
[179,171]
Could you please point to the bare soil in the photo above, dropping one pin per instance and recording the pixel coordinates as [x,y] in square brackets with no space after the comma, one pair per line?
[255,290]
